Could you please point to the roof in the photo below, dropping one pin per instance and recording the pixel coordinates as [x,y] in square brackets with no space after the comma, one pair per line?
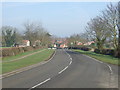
[25,40]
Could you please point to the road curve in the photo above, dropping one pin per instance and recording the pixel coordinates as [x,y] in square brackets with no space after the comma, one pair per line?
[67,69]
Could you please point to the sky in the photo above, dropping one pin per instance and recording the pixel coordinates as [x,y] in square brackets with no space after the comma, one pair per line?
[61,19]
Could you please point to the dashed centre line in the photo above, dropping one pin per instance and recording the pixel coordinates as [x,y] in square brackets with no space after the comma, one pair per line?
[70,62]
[58,73]
[40,83]
[63,70]
[110,69]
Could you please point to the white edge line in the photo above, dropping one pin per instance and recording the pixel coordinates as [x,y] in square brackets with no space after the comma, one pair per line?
[29,67]
[67,54]
[110,69]
[63,70]
[93,58]
[111,72]
[69,57]
[41,83]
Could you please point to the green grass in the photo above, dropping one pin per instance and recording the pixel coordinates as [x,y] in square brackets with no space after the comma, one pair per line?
[5,47]
[30,60]
[101,57]
[19,55]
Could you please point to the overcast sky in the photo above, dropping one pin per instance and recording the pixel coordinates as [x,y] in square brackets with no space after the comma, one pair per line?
[59,18]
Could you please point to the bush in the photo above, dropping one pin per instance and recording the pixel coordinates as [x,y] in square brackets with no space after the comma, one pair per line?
[37,47]
[108,52]
[85,48]
[15,51]
[21,50]
[29,48]
[81,48]
[7,52]
[111,52]
[97,51]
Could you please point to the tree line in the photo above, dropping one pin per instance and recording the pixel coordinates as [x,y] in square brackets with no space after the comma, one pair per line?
[33,31]
[104,29]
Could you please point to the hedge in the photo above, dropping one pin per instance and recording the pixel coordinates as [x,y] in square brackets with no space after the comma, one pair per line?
[16,50]
[81,48]
[111,52]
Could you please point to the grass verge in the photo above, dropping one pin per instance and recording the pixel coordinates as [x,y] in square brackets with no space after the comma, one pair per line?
[101,57]
[30,60]
[19,55]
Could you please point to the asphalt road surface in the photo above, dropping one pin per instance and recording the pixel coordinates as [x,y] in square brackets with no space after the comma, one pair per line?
[67,69]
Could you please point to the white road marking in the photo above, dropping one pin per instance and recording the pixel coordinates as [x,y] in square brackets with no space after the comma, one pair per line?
[110,69]
[41,83]
[69,58]
[62,70]
[67,54]
[70,62]
[93,58]
[111,72]
[58,72]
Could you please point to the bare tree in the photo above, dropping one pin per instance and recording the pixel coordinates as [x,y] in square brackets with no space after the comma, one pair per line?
[98,30]
[76,38]
[35,32]
[111,16]
[29,32]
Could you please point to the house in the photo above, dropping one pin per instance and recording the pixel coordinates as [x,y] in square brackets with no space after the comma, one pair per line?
[79,43]
[89,43]
[63,46]
[25,43]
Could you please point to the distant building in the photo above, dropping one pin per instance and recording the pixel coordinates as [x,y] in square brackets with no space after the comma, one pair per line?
[89,43]
[63,46]
[55,46]
[59,43]
[79,43]
[25,43]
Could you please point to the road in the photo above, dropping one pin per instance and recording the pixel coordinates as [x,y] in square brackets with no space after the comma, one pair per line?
[67,69]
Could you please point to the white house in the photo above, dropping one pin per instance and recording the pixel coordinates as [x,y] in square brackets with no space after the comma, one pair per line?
[26,43]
